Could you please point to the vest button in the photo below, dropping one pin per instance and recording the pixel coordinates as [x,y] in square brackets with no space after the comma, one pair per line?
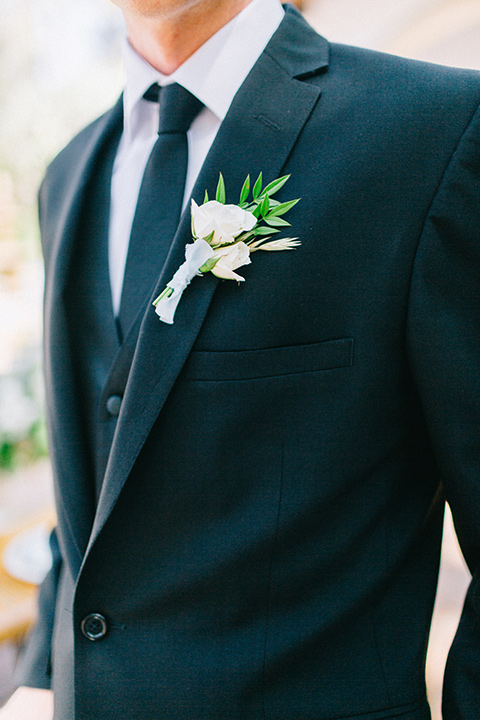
[114,403]
[94,627]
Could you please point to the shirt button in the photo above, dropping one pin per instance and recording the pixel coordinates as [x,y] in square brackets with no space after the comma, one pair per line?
[114,403]
[94,626]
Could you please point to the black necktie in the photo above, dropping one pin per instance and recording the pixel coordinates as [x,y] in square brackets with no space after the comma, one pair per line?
[160,199]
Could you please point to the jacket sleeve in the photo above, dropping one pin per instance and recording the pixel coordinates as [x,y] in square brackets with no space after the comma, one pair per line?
[443,341]
[34,668]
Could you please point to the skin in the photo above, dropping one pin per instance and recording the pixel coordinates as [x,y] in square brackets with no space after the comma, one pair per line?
[165,33]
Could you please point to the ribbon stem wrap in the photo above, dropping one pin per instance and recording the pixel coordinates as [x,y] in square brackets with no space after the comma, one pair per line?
[196,255]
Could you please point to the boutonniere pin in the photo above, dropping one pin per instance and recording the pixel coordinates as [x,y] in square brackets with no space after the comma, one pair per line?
[224,237]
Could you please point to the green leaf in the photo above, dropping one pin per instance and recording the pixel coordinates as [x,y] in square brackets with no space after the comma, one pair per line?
[256,211]
[264,206]
[275,185]
[257,188]
[221,195]
[262,230]
[277,222]
[205,199]
[244,237]
[245,190]
[283,208]
[209,265]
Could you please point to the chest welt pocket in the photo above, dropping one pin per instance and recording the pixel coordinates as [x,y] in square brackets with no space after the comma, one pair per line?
[270,362]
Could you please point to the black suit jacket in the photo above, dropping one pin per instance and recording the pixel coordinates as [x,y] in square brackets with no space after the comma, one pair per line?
[266,544]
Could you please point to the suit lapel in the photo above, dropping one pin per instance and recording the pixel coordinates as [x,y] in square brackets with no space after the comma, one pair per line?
[67,215]
[258,134]
[75,509]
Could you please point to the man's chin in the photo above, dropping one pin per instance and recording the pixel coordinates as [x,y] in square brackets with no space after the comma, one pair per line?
[162,9]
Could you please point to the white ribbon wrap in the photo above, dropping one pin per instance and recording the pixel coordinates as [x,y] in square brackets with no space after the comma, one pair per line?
[196,255]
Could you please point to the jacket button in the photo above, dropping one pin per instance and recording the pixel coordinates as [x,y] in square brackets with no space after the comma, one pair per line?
[114,403]
[94,627]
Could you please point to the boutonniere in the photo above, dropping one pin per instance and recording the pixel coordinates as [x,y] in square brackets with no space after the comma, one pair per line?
[224,237]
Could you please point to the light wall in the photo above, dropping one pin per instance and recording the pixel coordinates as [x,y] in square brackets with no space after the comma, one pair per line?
[442,31]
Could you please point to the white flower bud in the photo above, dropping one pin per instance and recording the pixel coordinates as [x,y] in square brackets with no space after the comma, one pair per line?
[231,258]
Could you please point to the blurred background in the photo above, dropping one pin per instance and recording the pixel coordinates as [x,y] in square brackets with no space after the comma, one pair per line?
[60,66]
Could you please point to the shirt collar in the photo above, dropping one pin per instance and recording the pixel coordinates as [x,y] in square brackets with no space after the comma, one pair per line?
[215,72]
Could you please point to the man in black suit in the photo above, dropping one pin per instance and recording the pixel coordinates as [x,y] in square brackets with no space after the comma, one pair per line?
[250,500]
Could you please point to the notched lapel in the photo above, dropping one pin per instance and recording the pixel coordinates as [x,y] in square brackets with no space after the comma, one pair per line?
[65,220]
[76,511]
[258,134]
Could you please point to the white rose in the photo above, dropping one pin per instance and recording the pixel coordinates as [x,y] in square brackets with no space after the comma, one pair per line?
[224,221]
[231,258]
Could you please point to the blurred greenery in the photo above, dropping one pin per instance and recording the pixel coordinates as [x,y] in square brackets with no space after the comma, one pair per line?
[59,68]
[16,454]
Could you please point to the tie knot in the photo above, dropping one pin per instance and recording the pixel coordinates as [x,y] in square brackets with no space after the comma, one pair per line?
[178,107]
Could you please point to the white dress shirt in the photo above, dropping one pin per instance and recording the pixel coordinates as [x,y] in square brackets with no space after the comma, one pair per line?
[214,74]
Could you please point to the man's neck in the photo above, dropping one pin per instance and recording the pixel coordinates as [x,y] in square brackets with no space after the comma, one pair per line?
[166,42]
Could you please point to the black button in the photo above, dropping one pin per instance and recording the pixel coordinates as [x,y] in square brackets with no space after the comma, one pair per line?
[94,626]
[114,403]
